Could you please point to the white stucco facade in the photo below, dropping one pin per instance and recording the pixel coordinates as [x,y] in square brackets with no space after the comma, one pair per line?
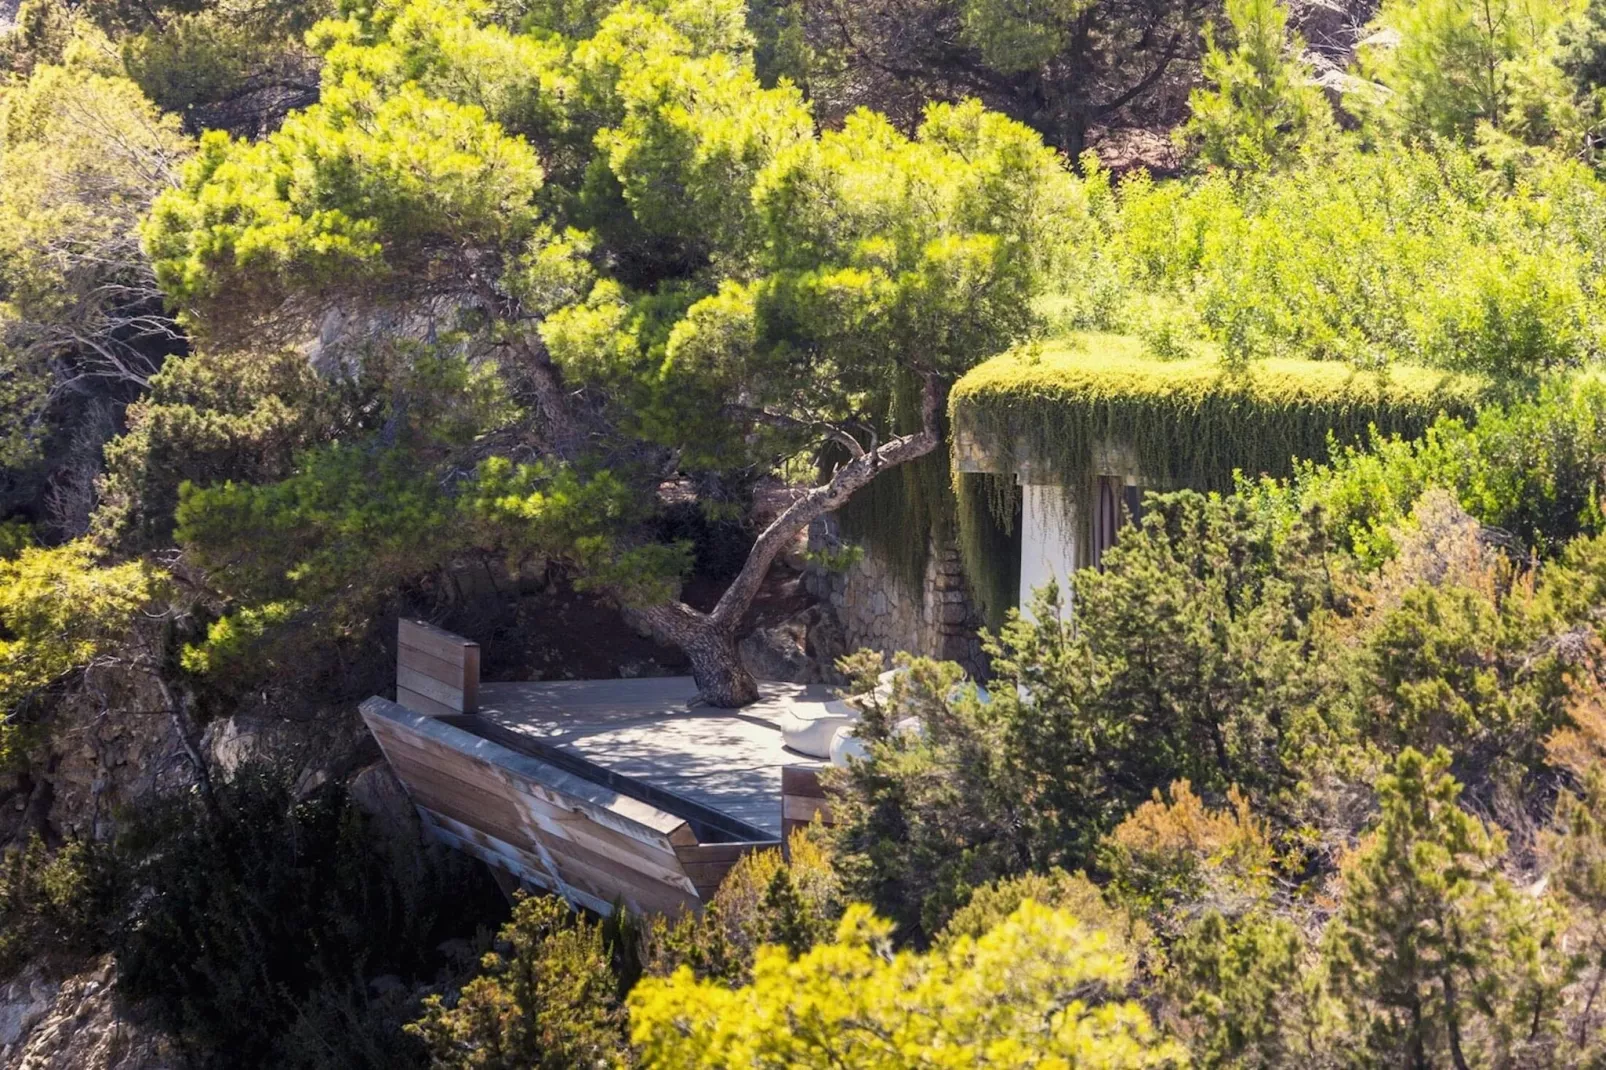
[1050,541]
[1055,521]
[1060,532]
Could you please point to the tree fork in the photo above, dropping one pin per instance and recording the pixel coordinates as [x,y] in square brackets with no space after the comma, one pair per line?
[709,639]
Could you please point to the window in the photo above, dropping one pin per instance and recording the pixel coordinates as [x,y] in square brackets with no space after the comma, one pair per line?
[1114,504]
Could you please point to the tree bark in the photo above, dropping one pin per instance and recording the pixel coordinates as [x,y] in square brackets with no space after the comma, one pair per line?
[716,664]
[184,728]
[709,639]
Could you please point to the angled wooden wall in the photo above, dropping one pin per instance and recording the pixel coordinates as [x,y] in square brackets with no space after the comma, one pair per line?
[802,799]
[566,833]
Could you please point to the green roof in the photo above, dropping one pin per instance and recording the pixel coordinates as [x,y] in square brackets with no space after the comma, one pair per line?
[1191,422]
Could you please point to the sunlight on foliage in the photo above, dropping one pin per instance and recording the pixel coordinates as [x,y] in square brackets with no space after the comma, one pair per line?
[60,609]
[1038,991]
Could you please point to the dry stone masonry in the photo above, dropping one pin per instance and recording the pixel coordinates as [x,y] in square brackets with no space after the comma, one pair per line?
[875,607]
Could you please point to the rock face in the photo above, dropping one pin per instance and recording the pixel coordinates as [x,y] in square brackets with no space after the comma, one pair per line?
[376,792]
[24,1002]
[75,1024]
[801,649]
[780,653]
[1331,28]
[111,746]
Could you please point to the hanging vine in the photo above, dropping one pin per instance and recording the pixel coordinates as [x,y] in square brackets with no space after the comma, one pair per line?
[1186,423]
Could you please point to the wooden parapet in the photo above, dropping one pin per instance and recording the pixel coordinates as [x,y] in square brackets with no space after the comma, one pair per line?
[546,825]
[708,863]
[802,799]
[437,673]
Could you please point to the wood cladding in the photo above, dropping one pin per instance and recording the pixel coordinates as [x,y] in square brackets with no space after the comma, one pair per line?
[707,863]
[437,673]
[567,833]
[802,799]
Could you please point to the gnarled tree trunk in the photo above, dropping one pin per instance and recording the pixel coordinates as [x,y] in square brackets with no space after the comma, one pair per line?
[716,665]
[709,639]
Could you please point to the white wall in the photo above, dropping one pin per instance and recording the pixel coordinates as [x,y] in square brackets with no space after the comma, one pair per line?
[1049,539]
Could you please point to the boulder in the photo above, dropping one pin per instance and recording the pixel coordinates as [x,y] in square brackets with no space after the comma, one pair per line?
[781,652]
[76,1024]
[376,792]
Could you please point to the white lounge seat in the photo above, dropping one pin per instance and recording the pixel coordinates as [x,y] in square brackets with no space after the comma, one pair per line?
[810,730]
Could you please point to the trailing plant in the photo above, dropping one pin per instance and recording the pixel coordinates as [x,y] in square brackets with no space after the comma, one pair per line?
[1063,409]
[987,535]
[1192,422]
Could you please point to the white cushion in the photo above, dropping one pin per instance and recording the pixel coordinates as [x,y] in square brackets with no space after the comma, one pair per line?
[810,730]
[845,745]
[829,732]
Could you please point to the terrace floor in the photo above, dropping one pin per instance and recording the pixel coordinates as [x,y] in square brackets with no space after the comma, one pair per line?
[729,760]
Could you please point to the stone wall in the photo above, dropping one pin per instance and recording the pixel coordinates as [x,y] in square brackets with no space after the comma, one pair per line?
[874,607]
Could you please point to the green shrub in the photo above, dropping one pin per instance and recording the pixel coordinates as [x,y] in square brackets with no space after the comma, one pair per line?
[1246,993]
[1452,65]
[249,921]
[52,903]
[1261,107]
[15,537]
[1531,469]
[993,903]
[547,1000]
[1435,957]
[208,417]
[1194,656]
[762,900]
[195,58]
[1417,255]
[61,608]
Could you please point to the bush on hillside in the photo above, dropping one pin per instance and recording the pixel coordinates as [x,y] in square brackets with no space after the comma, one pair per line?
[1414,255]
[255,924]
[547,1000]
[52,904]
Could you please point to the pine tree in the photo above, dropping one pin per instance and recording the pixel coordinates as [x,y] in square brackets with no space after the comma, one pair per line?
[546,1001]
[1263,106]
[1434,957]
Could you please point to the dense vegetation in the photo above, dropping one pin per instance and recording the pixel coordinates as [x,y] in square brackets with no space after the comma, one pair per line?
[302,305]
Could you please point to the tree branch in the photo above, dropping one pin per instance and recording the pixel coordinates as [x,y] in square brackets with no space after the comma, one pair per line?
[848,479]
[791,423]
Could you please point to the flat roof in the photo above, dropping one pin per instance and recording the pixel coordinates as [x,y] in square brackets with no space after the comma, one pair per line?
[647,729]
[1048,411]
[1091,367]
